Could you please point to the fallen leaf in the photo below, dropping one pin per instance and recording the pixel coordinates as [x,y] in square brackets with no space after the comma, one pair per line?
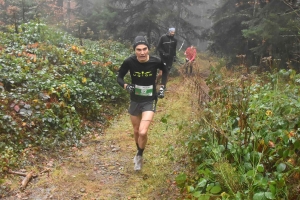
[271,144]
[17,108]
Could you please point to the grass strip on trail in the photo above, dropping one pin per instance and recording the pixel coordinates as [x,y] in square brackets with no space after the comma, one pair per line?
[164,151]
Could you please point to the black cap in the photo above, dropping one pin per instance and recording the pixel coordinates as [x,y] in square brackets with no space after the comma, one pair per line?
[140,40]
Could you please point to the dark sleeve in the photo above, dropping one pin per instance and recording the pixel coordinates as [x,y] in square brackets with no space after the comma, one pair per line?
[121,73]
[159,46]
[175,48]
[164,70]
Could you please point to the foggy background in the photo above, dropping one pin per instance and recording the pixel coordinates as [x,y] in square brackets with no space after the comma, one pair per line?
[256,32]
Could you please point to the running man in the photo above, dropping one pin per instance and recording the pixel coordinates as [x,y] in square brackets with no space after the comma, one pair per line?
[143,96]
[167,50]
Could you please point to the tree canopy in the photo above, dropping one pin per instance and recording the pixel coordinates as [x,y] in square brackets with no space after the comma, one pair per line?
[257,29]
[153,18]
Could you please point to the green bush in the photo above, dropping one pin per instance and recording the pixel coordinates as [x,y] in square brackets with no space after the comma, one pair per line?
[49,85]
[248,135]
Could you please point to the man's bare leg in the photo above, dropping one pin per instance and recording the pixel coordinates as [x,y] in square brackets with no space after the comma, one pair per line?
[135,121]
[140,127]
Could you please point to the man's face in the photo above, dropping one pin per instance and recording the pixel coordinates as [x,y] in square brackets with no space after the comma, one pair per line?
[172,33]
[142,52]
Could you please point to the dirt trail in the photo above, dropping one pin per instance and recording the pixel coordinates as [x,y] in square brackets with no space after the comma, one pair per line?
[103,168]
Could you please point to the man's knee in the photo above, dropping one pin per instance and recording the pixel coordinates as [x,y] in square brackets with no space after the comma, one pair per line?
[143,133]
[136,131]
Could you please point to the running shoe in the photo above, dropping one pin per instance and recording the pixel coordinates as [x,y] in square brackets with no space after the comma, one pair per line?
[138,162]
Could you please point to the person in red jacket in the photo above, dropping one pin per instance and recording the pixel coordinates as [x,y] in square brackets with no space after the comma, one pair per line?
[190,55]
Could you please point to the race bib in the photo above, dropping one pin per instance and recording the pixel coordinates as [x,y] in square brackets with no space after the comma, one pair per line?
[143,90]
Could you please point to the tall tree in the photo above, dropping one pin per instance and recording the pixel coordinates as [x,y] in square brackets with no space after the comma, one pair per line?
[257,29]
[228,23]
[60,7]
[95,15]
[60,3]
[153,18]
[22,11]
[275,31]
[16,11]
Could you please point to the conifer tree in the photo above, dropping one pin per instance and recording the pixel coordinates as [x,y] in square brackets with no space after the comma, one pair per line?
[228,23]
[95,15]
[256,29]
[274,31]
[153,18]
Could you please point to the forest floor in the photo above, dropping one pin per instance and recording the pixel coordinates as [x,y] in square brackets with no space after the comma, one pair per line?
[103,167]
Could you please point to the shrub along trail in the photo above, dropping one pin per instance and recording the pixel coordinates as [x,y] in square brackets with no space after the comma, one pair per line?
[103,167]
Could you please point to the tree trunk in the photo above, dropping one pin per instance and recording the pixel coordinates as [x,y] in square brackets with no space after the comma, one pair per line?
[69,12]
[60,3]
[23,11]
[5,4]
[15,23]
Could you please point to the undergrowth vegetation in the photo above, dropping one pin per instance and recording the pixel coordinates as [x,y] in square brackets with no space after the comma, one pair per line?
[51,88]
[247,144]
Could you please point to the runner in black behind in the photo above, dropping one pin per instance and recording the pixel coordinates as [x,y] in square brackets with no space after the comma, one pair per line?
[166,48]
[143,69]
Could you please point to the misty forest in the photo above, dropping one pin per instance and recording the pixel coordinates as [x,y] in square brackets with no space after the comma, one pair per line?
[228,131]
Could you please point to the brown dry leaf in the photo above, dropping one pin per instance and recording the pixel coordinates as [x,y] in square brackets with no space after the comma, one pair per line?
[17,108]
[271,144]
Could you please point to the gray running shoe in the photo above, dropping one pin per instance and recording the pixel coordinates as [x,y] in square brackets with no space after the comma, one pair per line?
[134,159]
[138,163]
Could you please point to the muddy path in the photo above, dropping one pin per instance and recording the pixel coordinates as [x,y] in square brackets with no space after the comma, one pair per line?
[103,167]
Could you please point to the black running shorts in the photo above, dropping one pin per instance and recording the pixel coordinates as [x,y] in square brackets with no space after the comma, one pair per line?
[136,109]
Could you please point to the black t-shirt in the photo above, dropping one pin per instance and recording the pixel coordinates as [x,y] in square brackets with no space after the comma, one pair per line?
[143,75]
